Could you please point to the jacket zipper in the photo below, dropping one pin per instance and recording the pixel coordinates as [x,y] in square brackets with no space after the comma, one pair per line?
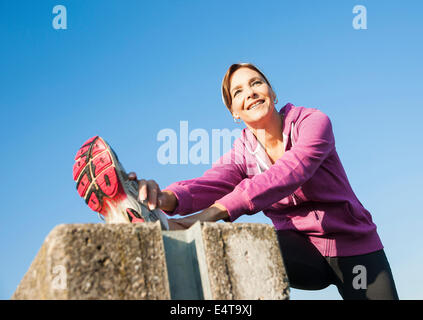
[292,144]
[294,196]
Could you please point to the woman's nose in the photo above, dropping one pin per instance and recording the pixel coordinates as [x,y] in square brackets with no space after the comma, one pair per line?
[250,93]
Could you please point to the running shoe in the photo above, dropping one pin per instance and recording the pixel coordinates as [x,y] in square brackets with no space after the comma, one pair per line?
[103,183]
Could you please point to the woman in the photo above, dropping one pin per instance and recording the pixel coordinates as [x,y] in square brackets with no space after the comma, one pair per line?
[286,165]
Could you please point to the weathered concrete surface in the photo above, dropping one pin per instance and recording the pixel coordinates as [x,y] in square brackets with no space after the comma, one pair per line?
[243,262]
[213,261]
[98,261]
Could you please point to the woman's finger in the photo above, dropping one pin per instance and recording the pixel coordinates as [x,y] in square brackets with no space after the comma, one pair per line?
[152,194]
[132,176]
[142,190]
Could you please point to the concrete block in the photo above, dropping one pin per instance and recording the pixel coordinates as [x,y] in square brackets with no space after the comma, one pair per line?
[226,261]
[98,261]
[212,261]
[241,261]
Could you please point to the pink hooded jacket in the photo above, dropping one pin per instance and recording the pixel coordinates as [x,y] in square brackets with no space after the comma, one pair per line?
[306,190]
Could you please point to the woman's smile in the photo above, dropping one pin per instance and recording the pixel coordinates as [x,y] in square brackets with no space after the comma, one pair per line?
[254,105]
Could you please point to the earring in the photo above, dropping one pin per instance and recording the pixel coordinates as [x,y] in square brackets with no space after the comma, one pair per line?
[276,100]
[235,120]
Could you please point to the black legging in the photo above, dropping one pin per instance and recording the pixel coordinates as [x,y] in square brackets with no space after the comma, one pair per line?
[366,276]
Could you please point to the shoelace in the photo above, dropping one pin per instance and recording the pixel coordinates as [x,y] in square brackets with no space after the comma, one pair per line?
[100,216]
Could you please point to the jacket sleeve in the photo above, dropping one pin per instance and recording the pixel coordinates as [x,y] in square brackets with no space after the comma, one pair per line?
[314,143]
[199,193]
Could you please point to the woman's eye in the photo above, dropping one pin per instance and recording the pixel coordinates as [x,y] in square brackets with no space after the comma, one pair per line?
[236,93]
[256,82]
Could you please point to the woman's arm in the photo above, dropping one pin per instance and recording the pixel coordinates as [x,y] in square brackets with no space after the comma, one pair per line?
[213,213]
[189,196]
[199,193]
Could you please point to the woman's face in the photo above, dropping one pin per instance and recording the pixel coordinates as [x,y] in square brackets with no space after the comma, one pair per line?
[252,97]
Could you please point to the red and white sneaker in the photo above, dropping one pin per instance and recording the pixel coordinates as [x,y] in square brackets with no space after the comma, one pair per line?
[103,183]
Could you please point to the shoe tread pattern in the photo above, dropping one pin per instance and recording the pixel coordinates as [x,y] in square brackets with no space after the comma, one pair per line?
[95,174]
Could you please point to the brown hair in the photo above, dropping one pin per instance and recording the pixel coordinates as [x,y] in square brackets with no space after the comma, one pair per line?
[226,83]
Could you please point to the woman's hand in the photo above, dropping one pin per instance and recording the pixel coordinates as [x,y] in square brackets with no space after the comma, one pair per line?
[149,190]
[211,214]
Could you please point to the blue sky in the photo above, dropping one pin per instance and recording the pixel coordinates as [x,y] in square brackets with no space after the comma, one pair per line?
[127,69]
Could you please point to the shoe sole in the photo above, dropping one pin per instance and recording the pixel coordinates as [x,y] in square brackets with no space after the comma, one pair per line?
[100,181]
[97,180]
